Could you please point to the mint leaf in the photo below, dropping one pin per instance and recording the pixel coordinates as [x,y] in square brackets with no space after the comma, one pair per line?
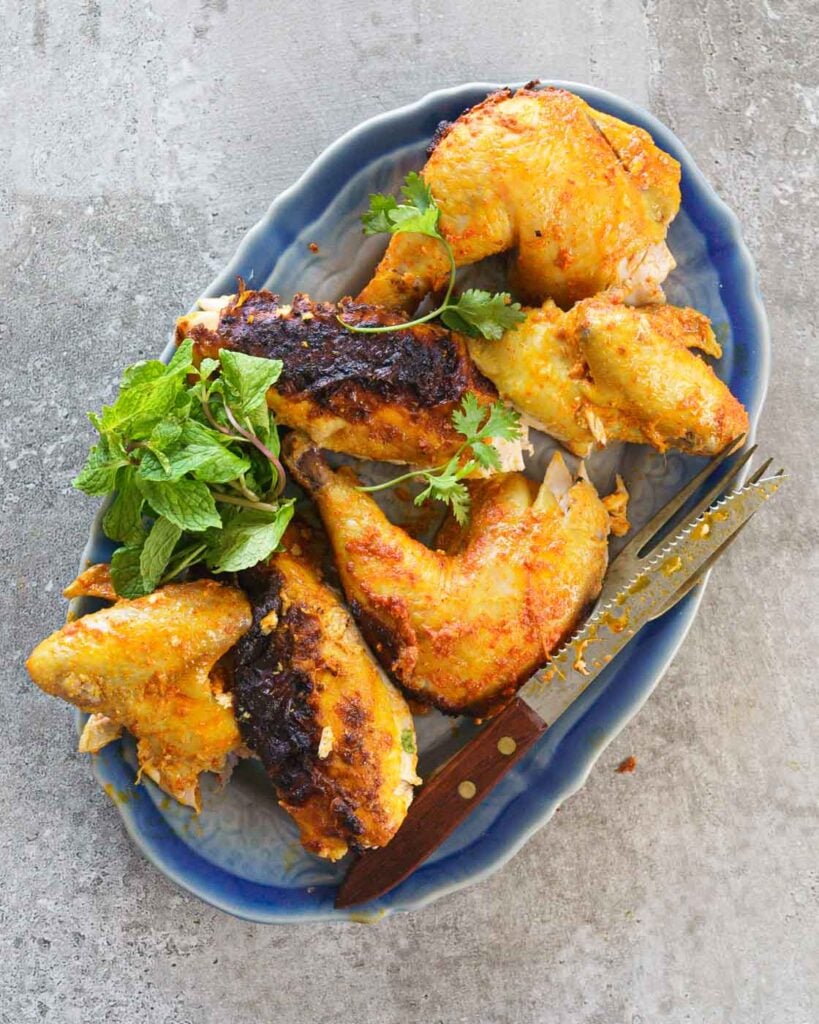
[157,550]
[139,408]
[164,434]
[200,451]
[247,379]
[481,313]
[123,520]
[126,574]
[186,503]
[249,536]
[142,373]
[182,359]
[98,475]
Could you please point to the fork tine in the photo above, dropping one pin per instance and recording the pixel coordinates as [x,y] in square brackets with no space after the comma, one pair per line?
[648,537]
[761,472]
[704,568]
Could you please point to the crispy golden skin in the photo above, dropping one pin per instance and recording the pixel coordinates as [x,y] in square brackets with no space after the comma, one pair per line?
[335,736]
[388,397]
[584,199]
[148,665]
[605,371]
[462,627]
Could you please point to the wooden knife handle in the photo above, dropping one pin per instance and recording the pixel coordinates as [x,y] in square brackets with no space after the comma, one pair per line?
[444,802]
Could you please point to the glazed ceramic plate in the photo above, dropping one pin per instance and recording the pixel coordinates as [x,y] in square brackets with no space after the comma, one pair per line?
[241,853]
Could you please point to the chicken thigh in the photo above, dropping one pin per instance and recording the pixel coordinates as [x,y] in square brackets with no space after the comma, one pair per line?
[584,199]
[462,627]
[388,397]
[605,371]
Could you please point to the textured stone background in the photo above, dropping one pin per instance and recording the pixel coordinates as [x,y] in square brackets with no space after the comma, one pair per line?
[138,142]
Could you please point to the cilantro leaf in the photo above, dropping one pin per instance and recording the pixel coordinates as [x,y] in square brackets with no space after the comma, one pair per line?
[157,550]
[479,425]
[503,422]
[249,536]
[123,520]
[248,379]
[481,313]
[408,741]
[418,214]
[186,503]
[468,418]
[376,220]
[126,574]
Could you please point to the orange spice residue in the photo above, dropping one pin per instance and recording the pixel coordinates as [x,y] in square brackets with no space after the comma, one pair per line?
[628,765]
[313,247]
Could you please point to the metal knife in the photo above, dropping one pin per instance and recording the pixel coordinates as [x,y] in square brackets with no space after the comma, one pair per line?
[451,793]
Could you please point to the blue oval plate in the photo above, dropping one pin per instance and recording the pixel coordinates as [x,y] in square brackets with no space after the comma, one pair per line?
[241,853]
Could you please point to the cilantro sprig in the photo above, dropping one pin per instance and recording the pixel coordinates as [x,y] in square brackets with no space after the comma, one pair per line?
[475,312]
[480,427]
[192,457]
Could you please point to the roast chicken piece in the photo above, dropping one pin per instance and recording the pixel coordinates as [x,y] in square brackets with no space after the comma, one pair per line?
[463,626]
[336,737]
[605,371]
[584,199]
[388,397]
[150,666]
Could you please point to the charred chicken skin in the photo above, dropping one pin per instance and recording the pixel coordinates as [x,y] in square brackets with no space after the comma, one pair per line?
[463,626]
[388,397]
[585,201]
[150,666]
[605,371]
[334,735]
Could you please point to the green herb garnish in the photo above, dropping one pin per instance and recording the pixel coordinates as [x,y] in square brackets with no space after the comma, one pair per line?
[479,425]
[193,460]
[475,312]
[408,741]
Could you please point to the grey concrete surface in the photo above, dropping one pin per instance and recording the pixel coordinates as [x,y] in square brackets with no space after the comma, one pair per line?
[138,141]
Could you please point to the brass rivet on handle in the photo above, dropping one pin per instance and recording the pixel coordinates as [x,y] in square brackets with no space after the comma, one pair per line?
[506,745]
[467,789]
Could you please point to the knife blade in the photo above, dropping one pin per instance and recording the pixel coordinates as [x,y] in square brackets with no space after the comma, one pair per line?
[451,793]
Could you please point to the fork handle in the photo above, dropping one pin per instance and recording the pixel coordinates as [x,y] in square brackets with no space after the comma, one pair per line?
[450,796]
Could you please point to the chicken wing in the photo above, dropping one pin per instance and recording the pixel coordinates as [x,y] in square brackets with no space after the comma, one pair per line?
[335,736]
[584,199]
[149,665]
[388,397]
[463,626]
[605,371]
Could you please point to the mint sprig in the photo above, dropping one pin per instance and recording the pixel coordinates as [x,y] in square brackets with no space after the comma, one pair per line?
[476,312]
[191,456]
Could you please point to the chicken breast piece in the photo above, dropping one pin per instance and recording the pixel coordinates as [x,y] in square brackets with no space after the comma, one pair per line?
[462,627]
[148,665]
[605,372]
[336,737]
[584,199]
[388,397]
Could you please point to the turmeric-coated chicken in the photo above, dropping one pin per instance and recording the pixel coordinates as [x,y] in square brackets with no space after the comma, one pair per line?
[605,371]
[336,737]
[585,201]
[150,666]
[463,626]
[388,397]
